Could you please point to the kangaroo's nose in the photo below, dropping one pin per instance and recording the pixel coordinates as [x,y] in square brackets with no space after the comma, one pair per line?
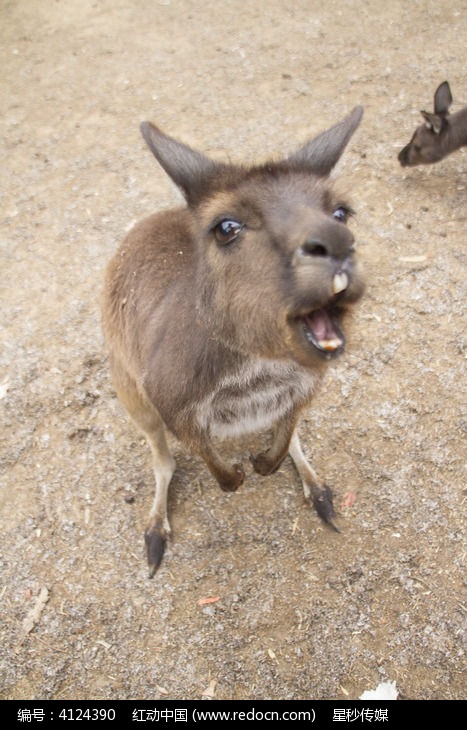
[314,247]
[333,241]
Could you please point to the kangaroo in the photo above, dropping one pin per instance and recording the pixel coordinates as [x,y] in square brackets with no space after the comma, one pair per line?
[439,135]
[220,316]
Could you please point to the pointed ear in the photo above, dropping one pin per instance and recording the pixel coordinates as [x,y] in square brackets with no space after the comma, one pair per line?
[322,153]
[185,166]
[443,99]
[432,122]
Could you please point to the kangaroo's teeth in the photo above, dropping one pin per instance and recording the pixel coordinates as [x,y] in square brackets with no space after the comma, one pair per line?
[330,345]
[340,282]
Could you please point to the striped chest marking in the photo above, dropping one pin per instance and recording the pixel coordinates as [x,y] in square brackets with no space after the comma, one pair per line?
[255,397]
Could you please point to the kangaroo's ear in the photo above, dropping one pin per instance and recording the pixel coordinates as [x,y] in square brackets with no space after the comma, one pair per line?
[433,122]
[443,99]
[187,167]
[323,152]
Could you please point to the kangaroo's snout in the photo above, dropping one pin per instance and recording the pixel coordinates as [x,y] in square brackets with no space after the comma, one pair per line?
[403,156]
[330,249]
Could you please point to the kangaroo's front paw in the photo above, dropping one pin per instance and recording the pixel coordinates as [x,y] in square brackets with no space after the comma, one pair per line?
[263,465]
[323,504]
[155,538]
[230,482]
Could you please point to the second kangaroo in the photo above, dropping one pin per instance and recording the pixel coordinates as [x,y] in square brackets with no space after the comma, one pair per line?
[221,315]
[439,135]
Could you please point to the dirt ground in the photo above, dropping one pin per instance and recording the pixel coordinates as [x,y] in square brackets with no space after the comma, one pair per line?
[302,612]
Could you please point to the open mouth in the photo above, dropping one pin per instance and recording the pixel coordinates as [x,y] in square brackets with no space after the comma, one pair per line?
[320,327]
[323,332]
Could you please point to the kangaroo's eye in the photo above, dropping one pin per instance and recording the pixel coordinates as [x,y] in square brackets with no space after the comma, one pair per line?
[342,214]
[227,231]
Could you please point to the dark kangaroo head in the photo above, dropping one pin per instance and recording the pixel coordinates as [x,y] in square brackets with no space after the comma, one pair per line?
[273,264]
[433,139]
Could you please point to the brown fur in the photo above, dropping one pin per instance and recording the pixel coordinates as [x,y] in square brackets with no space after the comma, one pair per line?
[439,135]
[213,339]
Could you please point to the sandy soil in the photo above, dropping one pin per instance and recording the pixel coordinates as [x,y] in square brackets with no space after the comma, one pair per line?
[302,612]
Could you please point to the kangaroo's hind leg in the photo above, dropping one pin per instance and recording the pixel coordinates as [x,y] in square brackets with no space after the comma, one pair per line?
[319,496]
[147,418]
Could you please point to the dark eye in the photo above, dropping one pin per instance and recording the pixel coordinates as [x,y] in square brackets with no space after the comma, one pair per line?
[227,231]
[342,214]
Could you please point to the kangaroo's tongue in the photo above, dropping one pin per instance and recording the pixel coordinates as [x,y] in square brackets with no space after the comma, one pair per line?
[323,332]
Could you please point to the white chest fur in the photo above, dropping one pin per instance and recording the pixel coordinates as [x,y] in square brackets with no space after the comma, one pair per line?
[255,397]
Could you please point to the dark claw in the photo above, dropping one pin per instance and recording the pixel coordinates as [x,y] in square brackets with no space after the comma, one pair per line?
[322,502]
[155,541]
